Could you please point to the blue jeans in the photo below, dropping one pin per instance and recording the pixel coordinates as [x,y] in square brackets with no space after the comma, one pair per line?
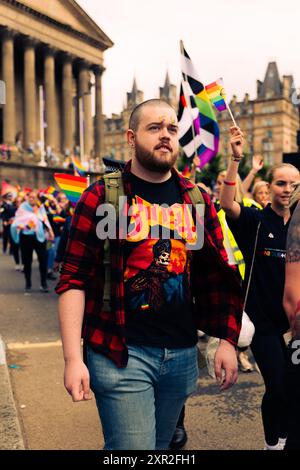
[52,253]
[140,404]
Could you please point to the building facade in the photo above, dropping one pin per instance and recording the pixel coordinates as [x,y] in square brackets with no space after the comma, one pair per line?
[115,143]
[51,63]
[270,122]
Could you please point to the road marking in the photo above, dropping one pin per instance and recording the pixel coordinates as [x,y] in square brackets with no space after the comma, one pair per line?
[2,353]
[33,345]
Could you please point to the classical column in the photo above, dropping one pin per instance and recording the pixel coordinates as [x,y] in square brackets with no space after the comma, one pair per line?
[49,82]
[29,92]
[8,73]
[85,95]
[67,103]
[98,70]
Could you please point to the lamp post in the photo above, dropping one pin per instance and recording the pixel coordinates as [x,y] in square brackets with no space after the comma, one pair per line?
[79,99]
[42,161]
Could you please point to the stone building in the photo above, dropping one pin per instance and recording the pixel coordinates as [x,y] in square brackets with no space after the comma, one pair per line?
[51,63]
[270,122]
[115,143]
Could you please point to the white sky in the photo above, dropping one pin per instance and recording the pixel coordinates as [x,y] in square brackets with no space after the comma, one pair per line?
[233,39]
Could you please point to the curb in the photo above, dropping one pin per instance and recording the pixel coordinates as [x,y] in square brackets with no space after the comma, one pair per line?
[10,430]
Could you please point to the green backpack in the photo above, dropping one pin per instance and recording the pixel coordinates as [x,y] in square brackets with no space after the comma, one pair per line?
[114,189]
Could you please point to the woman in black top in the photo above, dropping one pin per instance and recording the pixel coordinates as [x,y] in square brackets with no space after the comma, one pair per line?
[264,302]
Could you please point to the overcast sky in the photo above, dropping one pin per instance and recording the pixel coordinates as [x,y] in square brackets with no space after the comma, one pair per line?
[233,39]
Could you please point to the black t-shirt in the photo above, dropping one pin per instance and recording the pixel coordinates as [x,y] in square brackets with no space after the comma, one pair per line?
[264,304]
[158,305]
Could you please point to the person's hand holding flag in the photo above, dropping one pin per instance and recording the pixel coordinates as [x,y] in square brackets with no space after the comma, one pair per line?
[236,142]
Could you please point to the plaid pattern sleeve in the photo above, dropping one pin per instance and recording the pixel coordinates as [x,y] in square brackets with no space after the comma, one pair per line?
[83,269]
[215,286]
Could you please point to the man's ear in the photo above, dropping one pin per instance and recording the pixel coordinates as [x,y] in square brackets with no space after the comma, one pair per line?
[130,137]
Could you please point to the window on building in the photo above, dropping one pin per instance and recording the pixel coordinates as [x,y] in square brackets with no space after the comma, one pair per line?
[268,158]
[268,109]
[268,122]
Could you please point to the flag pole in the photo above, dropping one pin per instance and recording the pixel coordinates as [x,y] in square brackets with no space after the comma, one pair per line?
[230,113]
[42,161]
[188,101]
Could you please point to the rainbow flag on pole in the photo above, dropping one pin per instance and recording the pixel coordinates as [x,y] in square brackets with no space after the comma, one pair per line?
[217,94]
[78,168]
[72,186]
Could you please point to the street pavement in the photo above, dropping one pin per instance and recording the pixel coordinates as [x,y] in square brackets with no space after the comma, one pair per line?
[37,413]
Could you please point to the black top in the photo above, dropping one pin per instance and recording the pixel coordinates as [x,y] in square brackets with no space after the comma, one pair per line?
[62,245]
[264,304]
[8,211]
[158,305]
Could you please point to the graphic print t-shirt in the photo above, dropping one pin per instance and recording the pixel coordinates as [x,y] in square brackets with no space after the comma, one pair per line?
[158,305]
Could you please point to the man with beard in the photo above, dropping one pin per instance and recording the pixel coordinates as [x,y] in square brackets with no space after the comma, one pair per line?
[140,361]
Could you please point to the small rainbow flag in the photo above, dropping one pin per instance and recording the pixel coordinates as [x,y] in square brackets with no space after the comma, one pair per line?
[78,166]
[58,219]
[217,94]
[49,190]
[72,186]
[186,172]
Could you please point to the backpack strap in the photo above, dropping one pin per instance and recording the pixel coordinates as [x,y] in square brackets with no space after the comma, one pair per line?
[196,195]
[114,188]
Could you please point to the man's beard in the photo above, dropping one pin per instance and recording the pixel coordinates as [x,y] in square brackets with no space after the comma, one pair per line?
[152,162]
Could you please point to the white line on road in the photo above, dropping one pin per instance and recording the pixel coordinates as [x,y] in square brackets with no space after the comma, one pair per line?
[33,345]
[2,353]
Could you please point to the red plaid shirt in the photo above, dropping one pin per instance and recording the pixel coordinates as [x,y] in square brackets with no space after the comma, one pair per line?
[215,286]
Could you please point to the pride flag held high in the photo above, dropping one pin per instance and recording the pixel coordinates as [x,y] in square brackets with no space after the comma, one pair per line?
[189,122]
[209,129]
[72,186]
[217,94]
[78,168]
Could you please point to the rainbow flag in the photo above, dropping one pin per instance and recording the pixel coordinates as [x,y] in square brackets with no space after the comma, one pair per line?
[209,129]
[217,94]
[58,219]
[78,168]
[72,186]
[50,190]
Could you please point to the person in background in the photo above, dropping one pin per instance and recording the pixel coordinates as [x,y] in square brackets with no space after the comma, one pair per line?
[261,193]
[264,302]
[7,214]
[31,228]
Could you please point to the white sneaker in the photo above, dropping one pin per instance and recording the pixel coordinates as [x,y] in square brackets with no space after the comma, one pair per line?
[279,446]
[282,441]
[244,363]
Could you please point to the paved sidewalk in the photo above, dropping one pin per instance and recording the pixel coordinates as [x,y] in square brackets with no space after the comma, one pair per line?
[10,431]
[37,413]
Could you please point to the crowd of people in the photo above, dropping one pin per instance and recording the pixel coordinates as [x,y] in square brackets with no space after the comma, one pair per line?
[140,354]
[33,222]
